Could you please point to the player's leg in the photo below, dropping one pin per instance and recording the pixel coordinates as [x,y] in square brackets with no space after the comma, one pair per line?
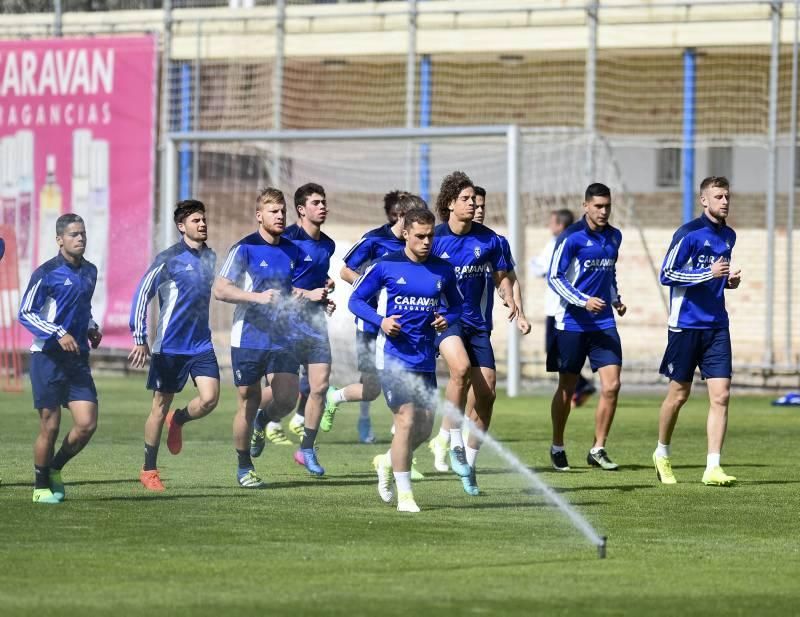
[318,379]
[298,421]
[604,416]
[249,368]
[204,371]
[84,424]
[149,475]
[49,422]
[274,407]
[567,356]
[605,357]
[719,390]
[81,399]
[678,365]
[716,367]
[366,391]
[449,439]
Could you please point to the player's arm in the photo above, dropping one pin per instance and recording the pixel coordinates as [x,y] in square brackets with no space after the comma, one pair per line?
[355,259]
[302,267]
[452,301]
[367,287]
[29,315]
[616,298]
[502,265]
[138,319]
[681,252]
[94,333]
[225,288]
[557,276]
[522,321]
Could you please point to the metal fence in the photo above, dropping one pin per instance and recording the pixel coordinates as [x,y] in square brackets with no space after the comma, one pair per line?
[655,99]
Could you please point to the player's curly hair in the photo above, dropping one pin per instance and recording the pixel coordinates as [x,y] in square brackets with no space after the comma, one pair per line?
[451,188]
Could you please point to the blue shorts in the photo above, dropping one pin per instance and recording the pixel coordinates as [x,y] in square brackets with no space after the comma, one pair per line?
[570,350]
[307,350]
[250,366]
[402,387]
[170,372]
[708,349]
[549,334]
[365,351]
[59,377]
[477,343]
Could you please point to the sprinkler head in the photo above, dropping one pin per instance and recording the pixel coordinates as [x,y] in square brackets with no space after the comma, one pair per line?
[601,548]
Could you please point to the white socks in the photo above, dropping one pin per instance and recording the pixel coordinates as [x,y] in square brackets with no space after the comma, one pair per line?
[472,454]
[456,440]
[712,460]
[554,449]
[298,419]
[271,426]
[662,450]
[338,396]
[444,435]
[403,481]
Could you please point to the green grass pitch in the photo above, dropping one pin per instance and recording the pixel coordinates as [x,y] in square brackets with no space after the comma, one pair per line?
[307,546]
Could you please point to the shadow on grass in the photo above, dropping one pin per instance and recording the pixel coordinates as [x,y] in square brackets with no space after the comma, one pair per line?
[575,489]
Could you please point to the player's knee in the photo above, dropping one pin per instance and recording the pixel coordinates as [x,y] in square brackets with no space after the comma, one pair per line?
[721,399]
[370,390]
[86,428]
[611,388]
[459,373]
[209,403]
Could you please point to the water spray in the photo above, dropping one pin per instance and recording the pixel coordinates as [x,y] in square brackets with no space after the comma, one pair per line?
[575,517]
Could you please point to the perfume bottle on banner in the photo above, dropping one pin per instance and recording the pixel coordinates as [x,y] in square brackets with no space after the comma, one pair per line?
[8,181]
[99,224]
[81,142]
[49,211]
[25,223]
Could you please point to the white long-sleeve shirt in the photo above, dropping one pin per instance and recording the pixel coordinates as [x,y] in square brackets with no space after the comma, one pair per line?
[540,265]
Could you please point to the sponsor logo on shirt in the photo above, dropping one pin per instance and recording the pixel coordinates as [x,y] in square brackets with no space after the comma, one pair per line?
[599,264]
[444,255]
[472,271]
[416,303]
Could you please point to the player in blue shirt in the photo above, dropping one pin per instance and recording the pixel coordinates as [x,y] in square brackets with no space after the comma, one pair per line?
[417,296]
[476,253]
[697,271]
[373,245]
[257,277]
[182,277]
[310,345]
[583,273]
[57,309]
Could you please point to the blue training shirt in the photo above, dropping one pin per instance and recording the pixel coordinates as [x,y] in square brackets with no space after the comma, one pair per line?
[414,291]
[584,266]
[312,273]
[475,256]
[182,277]
[697,299]
[255,265]
[373,245]
[58,301]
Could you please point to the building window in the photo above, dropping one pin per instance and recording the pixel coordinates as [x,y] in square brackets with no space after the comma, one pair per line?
[720,161]
[668,162]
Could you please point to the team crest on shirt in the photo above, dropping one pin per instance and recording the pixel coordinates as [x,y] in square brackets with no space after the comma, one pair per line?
[477,251]
[389,395]
[291,265]
[238,375]
[439,284]
[670,368]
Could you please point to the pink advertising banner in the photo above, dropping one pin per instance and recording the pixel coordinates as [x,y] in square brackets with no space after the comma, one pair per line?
[77,131]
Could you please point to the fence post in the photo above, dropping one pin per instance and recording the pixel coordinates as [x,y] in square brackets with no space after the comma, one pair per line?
[516,237]
[590,87]
[772,184]
[58,11]
[165,147]
[196,108]
[791,190]
[277,85]
[411,79]
[687,158]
